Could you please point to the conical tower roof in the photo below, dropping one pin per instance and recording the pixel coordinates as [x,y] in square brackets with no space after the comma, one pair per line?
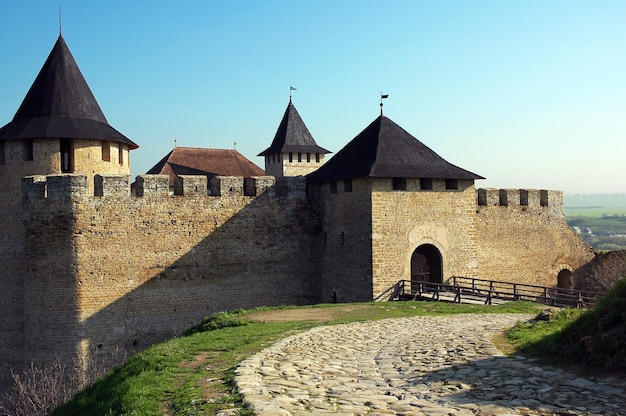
[293,136]
[386,150]
[60,104]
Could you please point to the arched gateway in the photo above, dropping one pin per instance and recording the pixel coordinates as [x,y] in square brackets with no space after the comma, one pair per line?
[426,264]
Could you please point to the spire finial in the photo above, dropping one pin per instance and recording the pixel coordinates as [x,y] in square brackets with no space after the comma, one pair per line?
[175,142]
[382,97]
[60,23]
[291,89]
[235,144]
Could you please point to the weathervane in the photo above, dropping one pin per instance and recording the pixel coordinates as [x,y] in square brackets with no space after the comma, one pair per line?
[235,145]
[175,142]
[382,97]
[291,89]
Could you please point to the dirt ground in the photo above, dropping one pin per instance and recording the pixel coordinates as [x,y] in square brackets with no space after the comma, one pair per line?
[305,314]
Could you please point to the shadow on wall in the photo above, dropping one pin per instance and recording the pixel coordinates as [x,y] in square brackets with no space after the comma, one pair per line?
[149,269]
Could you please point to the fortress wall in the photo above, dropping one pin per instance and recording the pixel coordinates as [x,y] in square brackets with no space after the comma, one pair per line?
[170,259]
[346,240]
[523,237]
[404,220]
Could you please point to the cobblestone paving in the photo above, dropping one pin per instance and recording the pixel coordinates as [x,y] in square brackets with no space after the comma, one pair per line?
[415,366]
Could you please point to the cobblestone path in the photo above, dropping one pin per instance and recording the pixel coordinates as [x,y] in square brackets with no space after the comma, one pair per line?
[442,365]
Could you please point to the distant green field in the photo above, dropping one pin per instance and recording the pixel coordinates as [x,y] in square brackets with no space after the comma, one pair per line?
[600,218]
[594,205]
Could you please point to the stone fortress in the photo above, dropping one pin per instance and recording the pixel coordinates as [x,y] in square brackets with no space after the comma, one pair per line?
[90,265]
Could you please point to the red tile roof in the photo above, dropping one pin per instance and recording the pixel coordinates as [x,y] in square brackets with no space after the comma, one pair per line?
[202,161]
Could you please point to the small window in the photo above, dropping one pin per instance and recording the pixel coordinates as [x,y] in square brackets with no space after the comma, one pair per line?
[333,187]
[308,157]
[317,157]
[290,157]
[347,185]
[120,154]
[399,184]
[29,153]
[106,151]
[426,184]
[299,157]
[343,238]
[67,156]
[2,154]
[452,184]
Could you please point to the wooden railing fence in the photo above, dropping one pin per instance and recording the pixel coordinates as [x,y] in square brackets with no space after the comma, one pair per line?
[489,292]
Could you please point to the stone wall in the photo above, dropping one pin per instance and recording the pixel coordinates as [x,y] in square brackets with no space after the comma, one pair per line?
[523,237]
[122,272]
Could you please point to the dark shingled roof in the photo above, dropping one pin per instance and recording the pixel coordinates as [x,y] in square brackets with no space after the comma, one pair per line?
[201,161]
[293,136]
[386,150]
[60,104]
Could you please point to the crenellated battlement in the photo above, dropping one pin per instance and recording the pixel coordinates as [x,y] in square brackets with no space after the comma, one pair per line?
[67,187]
[531,198]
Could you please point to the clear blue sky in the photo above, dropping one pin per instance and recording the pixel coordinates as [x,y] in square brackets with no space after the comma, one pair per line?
[529,94]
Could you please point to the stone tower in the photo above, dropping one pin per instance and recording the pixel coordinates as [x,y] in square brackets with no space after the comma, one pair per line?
[393,209]
[58,129]
[293,151]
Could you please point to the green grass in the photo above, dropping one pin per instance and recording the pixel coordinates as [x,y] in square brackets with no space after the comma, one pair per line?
[192,374]
[593,339]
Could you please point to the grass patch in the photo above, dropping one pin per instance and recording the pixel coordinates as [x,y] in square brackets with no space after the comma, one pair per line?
[192,374]
[594,339]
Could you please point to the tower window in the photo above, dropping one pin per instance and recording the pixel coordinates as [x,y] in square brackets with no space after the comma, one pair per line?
[426,184]
[29,153]
[299,157]
[290,157]
[347,185]
[317,158]
[399,184]
[333,187]
[67,155]
[308,157]
[2,154]
[452,184]
[106,151]
[120,154]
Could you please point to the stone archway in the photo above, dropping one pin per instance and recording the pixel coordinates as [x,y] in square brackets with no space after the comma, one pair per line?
[565,279]
[426,264]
